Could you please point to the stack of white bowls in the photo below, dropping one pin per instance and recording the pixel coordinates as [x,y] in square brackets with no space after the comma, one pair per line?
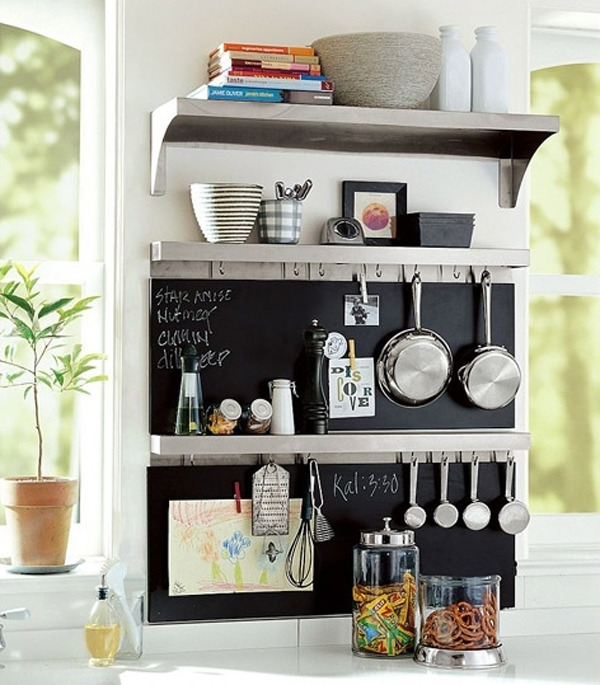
[225,212]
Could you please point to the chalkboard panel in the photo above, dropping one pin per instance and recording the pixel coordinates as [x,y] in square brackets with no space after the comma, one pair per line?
[357,497]
[249,332]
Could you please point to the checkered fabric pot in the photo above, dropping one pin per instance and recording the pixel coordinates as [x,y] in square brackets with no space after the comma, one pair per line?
[279,221]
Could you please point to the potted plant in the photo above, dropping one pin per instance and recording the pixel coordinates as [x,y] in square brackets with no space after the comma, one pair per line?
[36,357]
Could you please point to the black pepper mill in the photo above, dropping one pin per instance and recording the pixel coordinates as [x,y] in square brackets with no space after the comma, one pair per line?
[315,412]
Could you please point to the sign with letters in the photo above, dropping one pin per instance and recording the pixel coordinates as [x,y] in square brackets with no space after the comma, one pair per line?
[351,390]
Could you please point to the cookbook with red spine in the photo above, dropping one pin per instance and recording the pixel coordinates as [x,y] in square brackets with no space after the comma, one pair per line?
[259,47]
[272,56]
[220,67]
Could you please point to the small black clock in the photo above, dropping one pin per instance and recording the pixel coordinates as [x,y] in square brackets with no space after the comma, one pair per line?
[342,231]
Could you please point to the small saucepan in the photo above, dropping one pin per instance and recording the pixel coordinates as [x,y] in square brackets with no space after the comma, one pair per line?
[492,377]
[415,365]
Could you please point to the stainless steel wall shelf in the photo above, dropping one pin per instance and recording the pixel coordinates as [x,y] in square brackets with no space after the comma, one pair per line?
[512,139]
[333,443]
[326,262]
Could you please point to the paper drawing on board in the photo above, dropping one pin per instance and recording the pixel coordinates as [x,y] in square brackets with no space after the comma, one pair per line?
[212,549]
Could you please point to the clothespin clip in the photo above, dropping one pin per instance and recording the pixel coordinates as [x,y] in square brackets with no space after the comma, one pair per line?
[352,353]
[364,295]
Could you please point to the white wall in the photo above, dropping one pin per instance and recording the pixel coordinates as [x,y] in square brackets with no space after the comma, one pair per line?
[166,43]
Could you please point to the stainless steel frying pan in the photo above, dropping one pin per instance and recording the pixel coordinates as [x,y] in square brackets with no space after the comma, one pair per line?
[492,377]
[415,365]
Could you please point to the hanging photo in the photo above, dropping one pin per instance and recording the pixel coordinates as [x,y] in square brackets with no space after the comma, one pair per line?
[359,313]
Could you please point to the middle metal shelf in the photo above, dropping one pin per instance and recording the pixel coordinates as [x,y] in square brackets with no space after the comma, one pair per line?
[350,443]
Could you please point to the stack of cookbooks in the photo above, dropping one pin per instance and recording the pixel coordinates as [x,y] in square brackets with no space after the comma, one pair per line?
[265,73]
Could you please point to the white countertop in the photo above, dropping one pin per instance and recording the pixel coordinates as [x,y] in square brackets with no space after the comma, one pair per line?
[548,659]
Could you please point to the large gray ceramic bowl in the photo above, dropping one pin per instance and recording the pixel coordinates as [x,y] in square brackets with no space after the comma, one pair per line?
[397,70]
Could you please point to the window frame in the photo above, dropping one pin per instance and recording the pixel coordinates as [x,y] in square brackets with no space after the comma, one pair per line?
[576,38]
[80,24]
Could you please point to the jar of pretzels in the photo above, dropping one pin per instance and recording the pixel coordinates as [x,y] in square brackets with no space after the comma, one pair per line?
[459,621]
[384,594]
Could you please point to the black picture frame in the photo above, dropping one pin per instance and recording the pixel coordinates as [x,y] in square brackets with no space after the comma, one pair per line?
[389,201]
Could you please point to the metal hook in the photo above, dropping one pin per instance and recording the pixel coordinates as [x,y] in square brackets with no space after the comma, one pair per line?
[321,270]
[296,269]
[378,271]
[456,273]
[221,269]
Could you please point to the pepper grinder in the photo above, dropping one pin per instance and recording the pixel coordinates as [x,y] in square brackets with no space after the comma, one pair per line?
[315,412]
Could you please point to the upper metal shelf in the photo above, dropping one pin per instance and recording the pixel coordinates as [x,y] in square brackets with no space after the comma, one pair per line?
[512,139]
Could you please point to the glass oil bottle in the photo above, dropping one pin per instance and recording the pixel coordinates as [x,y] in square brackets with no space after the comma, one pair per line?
[102,631]
[191,419]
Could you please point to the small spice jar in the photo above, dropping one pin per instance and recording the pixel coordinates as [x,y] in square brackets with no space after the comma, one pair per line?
[459,622]
[256,417]
[384,595]
[222,418]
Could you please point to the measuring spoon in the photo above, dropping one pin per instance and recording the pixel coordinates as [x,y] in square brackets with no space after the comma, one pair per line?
[514,515]
[476,514]
[445,514]
[415,515]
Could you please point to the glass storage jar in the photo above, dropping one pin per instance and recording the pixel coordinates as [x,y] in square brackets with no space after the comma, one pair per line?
[459,622]
[384,595]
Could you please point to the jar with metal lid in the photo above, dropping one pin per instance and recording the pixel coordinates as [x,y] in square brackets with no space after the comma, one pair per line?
[459,622]
[222,418]
[256,417]
[384,594]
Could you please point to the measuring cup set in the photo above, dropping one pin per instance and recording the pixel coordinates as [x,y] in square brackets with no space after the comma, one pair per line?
[415,365]
[513,517]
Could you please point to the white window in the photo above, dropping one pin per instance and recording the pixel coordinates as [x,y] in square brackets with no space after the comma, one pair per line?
[52,213]
[564,363]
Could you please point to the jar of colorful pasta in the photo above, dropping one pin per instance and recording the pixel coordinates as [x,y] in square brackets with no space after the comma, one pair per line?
[459,622]
[384,594]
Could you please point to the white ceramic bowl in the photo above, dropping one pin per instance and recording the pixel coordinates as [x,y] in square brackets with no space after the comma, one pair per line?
[225,212]
[395,70]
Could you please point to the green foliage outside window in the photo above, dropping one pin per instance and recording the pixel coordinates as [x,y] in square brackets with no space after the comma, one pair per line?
[564,355]
[39,208]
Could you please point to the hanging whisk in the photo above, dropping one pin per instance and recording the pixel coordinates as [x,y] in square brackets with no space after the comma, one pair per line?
[300,556]
[323,530]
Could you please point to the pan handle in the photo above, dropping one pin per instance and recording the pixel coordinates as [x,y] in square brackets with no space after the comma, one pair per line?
[486,287]
[416,297]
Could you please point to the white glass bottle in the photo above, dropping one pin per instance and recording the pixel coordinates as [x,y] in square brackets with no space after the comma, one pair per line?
[489,73]
[282,421]
[452,92]
[102,631]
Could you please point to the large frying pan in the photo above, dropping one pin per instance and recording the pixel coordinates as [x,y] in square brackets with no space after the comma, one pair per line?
[415,365]
[492,377]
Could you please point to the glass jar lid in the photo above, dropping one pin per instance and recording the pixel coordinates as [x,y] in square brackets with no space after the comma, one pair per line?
[261,409]
[387,536]
[231,409]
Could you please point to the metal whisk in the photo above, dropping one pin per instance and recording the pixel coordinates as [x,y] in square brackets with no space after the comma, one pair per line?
[300,557]
[323,530]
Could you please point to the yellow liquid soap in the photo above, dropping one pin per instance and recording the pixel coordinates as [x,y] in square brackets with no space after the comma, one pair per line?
[102,643]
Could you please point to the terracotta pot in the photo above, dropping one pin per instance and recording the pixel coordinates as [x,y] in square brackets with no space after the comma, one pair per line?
[38,516]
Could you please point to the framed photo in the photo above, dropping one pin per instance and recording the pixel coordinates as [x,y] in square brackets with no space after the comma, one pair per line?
[376,205]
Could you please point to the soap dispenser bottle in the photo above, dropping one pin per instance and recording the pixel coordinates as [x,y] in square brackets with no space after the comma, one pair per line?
[102,631]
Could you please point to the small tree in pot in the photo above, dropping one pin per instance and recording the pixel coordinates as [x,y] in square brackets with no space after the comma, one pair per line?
[36,358]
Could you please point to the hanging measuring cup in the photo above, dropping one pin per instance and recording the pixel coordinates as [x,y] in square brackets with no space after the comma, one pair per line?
[282,421]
